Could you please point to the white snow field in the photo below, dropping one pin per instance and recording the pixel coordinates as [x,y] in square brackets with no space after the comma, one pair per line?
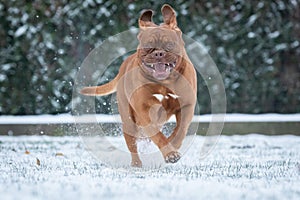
[103,118]
[240,167]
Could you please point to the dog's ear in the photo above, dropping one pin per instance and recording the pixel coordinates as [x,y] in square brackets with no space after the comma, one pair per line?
[146,19]
[169,16]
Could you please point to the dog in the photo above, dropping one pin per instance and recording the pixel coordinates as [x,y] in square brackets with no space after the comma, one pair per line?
[154,83]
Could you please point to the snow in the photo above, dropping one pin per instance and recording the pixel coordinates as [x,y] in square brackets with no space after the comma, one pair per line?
[240,167]
[102,118]
[21,30]
[270,117]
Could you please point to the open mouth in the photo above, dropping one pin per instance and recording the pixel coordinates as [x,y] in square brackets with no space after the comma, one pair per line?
[160,70]
[159,65]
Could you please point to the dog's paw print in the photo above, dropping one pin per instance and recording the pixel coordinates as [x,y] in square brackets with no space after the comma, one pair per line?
[173,157]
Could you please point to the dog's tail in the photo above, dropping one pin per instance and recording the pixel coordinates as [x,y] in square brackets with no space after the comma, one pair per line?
[101,90]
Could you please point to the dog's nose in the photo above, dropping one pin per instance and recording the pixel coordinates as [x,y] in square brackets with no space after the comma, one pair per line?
[158,54]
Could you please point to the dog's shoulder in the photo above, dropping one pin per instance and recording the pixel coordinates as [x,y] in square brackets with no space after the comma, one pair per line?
[129,63]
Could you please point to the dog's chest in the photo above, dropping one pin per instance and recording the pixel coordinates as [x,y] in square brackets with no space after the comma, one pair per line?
[166,97]
[169,101]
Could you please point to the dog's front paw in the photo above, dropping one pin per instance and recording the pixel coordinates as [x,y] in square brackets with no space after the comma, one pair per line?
[172,157]
[136,163]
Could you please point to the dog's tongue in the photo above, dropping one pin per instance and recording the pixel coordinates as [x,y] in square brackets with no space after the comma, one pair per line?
[160,72]
[160,67]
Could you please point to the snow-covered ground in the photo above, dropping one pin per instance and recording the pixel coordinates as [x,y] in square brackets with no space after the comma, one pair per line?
[240,167]
[102,118]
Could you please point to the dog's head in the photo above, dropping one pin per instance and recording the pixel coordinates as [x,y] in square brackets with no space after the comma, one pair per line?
[161,48]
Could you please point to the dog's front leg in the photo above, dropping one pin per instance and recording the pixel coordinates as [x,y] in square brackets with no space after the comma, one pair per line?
[152,129]
[183,120]
[150,116]
[132,146]
[130,130]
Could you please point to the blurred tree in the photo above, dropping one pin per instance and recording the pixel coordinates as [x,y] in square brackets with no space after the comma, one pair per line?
[255,44]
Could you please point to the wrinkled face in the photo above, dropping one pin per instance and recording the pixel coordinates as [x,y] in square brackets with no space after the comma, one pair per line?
[160,47]
[159,51]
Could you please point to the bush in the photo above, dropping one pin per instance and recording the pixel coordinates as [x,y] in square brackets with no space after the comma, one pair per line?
[255,44]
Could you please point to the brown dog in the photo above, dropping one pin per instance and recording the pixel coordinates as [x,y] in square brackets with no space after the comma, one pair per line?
[153,84]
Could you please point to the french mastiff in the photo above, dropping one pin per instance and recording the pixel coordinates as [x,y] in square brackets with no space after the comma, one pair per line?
[153,84]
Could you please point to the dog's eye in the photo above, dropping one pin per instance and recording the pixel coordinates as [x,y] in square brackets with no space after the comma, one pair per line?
[148,49]
[169,46]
